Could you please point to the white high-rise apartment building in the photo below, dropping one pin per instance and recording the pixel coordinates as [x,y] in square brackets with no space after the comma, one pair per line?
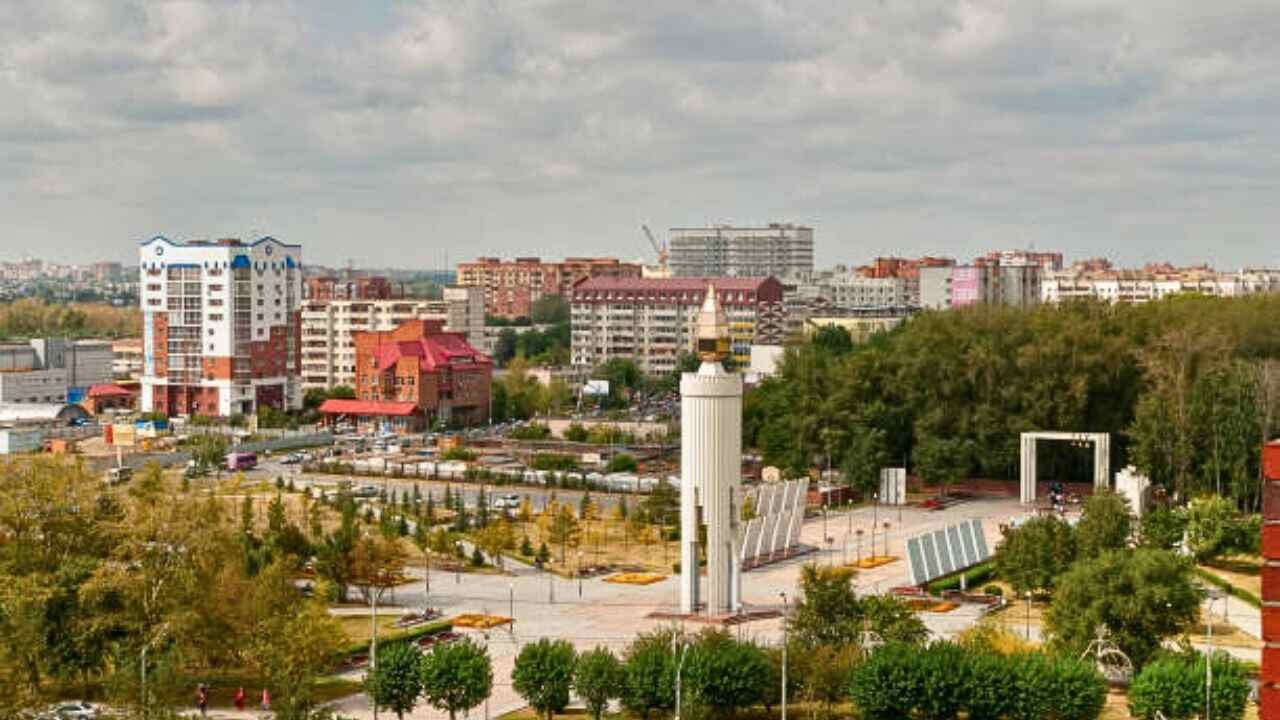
[780,250]
[328,348]
[220,326]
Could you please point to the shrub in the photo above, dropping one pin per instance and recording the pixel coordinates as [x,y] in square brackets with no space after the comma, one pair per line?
[649,673]
[532,431]
[994,590]
[944,680]
[972,577]
[622,462]
[555,462]
[458,453]
[1174,686]
[575,433]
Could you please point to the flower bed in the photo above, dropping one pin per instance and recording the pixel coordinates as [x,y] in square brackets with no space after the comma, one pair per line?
[476,621]
[635,578]
[926,604]
[873,562]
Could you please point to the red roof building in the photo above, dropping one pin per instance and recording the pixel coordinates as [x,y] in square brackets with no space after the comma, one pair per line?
[417,374]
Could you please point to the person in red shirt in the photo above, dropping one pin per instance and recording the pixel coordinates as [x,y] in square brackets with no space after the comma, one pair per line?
[202,699]
[266,700]
[239,699]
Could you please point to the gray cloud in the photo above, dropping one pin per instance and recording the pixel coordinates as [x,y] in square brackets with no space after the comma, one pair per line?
[408,132]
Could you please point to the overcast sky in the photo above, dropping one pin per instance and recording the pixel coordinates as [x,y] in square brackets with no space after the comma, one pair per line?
[405,133]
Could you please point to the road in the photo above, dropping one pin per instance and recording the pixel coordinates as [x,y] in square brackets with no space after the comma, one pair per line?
[470,490]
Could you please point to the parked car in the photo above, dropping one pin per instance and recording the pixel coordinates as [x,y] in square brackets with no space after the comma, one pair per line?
[365,491]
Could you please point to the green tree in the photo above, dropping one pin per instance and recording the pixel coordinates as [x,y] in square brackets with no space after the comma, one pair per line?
[293,653]
[1032,557]
[549,309]
[597,679]
[724,674]
[649,672]
[1140,597]
[1214,529]
[543,675]
[1174,686]
[1104,525]
[866,455]
[396,682]
[456,676]
[1163,528]
[942,461]
[827,612]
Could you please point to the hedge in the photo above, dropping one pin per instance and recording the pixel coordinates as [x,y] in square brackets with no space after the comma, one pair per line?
[1238,593]
[944,680]
[408,635]
[972,578]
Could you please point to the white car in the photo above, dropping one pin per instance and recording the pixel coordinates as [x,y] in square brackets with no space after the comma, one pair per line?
[78,710]
[507,502]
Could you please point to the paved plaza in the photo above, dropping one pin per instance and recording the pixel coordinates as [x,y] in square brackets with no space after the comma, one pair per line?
[593,612]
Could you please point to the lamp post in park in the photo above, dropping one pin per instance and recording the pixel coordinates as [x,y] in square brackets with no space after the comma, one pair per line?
[859,534]
[785,612]
[886,538]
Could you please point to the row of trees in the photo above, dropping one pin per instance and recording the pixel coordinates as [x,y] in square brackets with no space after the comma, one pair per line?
[33,318]
[1188,387]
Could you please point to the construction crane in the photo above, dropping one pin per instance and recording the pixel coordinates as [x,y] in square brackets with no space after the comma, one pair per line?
[659,248]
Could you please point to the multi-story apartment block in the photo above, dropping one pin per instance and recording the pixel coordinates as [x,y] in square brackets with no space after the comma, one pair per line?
[1154,283]
[1048,261]
[781,250]
[908,269]
[329,326]
[512,286]
[415,375]
[993,284]
[220,326]
[862,292]
[652,321]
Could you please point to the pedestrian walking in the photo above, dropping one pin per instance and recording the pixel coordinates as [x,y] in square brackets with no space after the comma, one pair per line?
[239,699]
[266,700]
[202,699]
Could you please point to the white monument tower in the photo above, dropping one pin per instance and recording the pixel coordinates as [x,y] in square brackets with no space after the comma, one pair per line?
[710,468]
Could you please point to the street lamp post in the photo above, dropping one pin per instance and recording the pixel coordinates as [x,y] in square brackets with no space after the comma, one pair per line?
[579,574]
[457,570]
[859,535]
[886,538]
[373,643]
[785,613]
[1028,616]
[684,649]
[511,604]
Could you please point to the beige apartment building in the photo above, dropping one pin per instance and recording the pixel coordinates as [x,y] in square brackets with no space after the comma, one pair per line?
[328,325]
[653,321]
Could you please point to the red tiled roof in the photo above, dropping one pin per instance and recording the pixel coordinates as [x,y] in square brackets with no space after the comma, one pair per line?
[676,284]
[107,391]
[367,408]
[434,351]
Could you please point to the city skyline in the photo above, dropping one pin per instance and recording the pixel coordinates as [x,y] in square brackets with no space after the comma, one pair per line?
[1094,128]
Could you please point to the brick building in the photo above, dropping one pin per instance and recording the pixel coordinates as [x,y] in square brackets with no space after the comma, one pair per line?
[513,286]
[220,326]
[652,320]
[359,287]
[438,373]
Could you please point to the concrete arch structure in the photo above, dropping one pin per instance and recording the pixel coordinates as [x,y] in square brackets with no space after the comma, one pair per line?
[1101,459]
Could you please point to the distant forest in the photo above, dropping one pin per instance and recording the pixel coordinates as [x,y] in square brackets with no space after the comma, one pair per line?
[27,318]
